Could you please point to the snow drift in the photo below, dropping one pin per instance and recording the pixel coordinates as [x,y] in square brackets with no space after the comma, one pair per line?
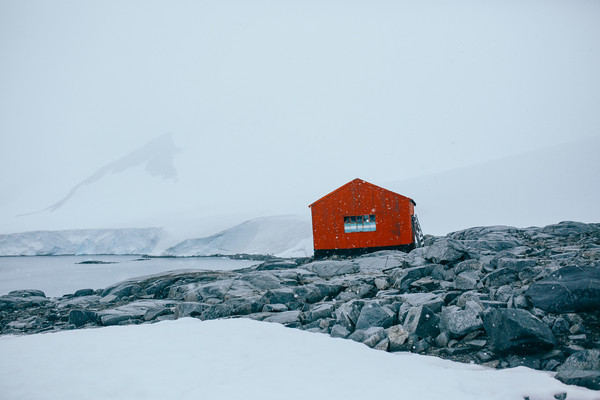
[240,358]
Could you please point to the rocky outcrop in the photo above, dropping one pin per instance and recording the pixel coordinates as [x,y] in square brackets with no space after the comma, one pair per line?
[497,296]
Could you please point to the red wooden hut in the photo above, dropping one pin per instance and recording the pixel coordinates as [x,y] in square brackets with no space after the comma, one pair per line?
[360,217]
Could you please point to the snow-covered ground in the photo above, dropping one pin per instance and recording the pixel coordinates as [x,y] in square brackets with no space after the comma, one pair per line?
[59,275]
[244,359]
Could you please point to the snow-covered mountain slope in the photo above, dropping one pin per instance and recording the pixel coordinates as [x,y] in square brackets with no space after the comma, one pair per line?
[531,189]
[241,358]
[282,236]
[81,242]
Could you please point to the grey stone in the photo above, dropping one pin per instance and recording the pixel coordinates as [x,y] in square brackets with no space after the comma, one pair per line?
[457,323]
[440,273]
[190,309]
[374,336]
[80,317]
[279,296]
[275,308]
[373,314]
[328,269]
[467,265]
[445,251]
[422,321]
[347,314]
[156,312]
[398,337]
[286,317]
[339,331]
[466,280]
[569,289]
[83,292]
[516,264]
[517,331]
[319,311]
[431,300]
[499,277]
[404,277]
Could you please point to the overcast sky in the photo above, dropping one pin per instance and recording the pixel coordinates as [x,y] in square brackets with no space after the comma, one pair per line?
[280,100]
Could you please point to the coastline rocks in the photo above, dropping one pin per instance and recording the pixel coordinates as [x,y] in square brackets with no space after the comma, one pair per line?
[498,296]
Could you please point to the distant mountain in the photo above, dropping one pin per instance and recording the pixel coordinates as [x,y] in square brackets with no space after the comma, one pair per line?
[80,242]
[282,236]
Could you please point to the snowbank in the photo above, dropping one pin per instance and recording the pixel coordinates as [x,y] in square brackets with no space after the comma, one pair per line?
[232,359]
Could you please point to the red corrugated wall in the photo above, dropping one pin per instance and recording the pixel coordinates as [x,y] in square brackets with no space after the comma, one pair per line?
[393,217]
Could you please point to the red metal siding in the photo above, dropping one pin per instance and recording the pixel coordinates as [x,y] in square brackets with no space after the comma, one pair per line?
[393,217]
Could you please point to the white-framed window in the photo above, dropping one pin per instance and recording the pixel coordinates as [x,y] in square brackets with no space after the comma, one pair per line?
[360,223]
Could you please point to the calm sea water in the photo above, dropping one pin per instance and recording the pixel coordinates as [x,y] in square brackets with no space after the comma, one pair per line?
[58,275]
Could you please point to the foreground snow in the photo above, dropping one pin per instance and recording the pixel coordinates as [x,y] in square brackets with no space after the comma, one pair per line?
[232,359]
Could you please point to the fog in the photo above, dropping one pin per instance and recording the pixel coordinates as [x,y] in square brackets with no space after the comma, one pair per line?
[148,113]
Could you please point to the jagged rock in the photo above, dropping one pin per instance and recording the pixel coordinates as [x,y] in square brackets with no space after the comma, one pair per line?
[569,289]
[404,277]
[516,264]
[457,323]
[517,331]
[373,314]
[398,337]
[286,318]
[581,368]
[466,280]
[467,265]
[20,299]
[567,228]
[83,292]
[500,277]
[422,321]
[319,311]
[347,314]
[275,308]
[374,336]
[190,309]
[122,290]
[328,269]
[445,251]
[279,296]
[440,273]
[156,312]
[80,317]
[431,300]
[339,331]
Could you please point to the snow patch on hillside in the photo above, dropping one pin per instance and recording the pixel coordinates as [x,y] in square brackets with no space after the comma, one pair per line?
[282,236]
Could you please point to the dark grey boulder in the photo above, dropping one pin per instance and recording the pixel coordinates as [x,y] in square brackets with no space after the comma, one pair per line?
[279,296]
[422,321]
[84,292]
[374,315]
[516,264]
[582,369]
[431,300]
[569,289]
[517,331]
[500,277]
[339,331]
[404,277]
[567,228]
[81,317]
[347,314]
[122,290]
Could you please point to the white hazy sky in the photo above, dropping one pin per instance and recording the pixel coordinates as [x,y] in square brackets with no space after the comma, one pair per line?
[277,100]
